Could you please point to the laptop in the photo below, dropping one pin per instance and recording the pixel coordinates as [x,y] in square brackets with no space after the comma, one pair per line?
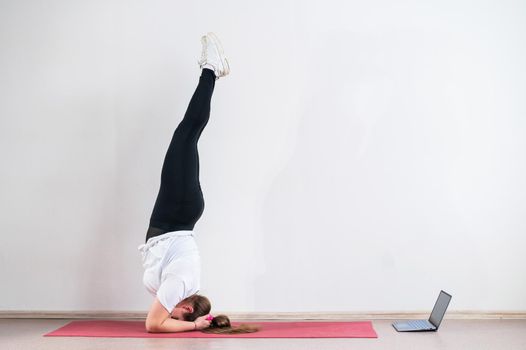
[427,325]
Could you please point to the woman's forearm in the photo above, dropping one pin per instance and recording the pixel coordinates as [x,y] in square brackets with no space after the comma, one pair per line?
[171,325]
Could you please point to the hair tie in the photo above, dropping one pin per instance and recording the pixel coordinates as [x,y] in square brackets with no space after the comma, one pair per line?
[209,318]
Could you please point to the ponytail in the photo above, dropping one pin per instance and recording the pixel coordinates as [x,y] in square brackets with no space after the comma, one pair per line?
[221,325]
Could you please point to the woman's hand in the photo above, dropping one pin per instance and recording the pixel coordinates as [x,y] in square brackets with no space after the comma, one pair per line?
[202,322]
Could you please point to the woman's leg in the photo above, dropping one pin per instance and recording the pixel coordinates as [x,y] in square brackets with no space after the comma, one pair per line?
[180,202]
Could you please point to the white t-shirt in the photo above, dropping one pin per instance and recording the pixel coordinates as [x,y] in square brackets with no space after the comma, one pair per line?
[172,267]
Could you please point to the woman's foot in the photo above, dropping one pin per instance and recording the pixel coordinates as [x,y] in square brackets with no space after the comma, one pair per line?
[212,56]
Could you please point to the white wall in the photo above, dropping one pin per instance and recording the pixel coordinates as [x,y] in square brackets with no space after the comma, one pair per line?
[360,157]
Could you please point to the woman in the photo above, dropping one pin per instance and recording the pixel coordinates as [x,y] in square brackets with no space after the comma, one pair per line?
[170,255]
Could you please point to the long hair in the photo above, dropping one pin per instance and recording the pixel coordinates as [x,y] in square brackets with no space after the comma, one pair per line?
[220,324]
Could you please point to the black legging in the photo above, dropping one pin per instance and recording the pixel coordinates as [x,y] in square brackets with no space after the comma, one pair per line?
[180,202]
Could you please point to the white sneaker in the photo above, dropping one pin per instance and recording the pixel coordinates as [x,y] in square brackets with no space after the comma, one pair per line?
[212,56]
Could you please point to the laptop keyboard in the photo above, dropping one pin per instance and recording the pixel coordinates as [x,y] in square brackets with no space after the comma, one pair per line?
[420,324]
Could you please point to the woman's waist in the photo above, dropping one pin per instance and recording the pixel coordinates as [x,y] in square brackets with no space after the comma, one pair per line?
[165,237]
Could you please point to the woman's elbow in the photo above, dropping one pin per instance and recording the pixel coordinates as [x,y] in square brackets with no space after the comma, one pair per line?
[151,327]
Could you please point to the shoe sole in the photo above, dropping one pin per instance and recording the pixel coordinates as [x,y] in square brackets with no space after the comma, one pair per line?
[219,48]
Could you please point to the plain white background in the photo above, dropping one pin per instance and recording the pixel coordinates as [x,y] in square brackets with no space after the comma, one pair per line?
[360,157]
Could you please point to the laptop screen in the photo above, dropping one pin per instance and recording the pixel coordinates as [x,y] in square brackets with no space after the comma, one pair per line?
[440,308]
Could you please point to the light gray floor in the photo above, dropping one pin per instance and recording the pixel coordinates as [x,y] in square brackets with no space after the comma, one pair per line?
[17,334]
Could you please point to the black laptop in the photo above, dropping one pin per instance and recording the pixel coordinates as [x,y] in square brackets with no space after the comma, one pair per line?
[427,325]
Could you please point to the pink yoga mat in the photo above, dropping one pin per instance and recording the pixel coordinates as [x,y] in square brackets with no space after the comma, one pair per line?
[135,329]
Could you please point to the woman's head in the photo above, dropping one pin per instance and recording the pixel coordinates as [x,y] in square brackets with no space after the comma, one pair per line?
[220,324]
[196,306]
